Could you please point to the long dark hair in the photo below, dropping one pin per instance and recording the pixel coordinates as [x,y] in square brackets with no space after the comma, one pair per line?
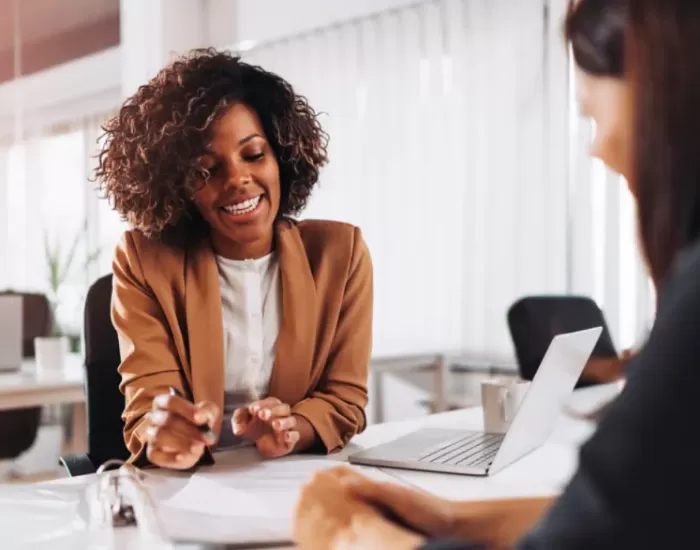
[596,31]
[664,37]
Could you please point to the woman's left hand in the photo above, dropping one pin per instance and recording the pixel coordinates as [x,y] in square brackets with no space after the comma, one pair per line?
[328,516]
[270,424]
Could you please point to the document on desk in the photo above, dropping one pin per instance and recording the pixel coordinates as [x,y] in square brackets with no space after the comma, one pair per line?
[248,504]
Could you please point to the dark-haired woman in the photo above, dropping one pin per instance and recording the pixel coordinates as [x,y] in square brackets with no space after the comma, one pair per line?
[230,314]
[637,481]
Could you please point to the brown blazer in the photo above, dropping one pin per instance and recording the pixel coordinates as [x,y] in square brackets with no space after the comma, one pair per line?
[166,307]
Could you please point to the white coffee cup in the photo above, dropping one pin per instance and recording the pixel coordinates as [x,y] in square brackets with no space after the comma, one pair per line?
[50,353]
[500,400]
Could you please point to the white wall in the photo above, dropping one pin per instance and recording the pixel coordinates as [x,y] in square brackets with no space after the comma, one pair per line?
[260,21]
[64,93]
[222,22]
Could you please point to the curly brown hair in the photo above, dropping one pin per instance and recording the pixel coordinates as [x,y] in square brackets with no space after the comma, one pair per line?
[148,167]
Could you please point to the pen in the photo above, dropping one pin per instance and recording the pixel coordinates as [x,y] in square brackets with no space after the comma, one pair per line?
[204,428]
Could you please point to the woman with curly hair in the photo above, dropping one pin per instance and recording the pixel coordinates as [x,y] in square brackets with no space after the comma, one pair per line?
[231,315]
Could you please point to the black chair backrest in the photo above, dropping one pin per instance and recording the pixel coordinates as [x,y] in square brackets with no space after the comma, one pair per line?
[105,403]
[36,319]
[18,429]
[535,320]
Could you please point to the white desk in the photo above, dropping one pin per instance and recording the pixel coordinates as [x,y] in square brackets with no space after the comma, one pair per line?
[28,389]
[542,472]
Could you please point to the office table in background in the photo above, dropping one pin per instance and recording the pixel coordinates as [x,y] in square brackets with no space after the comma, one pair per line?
[27,388]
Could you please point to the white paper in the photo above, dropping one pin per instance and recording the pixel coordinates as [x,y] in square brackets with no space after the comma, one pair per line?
[240,503]
[201,494]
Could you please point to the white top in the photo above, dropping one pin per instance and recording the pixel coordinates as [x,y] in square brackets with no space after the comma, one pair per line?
[251,306]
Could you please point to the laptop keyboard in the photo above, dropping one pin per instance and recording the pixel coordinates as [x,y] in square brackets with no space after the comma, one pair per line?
[475,450]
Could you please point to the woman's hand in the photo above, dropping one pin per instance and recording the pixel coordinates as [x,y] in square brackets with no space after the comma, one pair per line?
[174,439]
[327,516]
[270,424]
[606,369]
[494,523]
[421,512]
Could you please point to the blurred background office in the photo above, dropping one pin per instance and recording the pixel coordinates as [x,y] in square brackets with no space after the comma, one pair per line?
[455,145]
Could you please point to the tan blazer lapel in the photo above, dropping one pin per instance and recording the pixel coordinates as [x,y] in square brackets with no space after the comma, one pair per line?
[294,352]
[205,326]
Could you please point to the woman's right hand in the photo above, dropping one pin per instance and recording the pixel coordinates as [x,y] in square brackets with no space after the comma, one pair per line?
[173,437]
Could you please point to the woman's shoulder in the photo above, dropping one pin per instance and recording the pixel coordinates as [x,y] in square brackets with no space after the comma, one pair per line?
[134,246]
[683,287]
[331,237]
[331,243]
[327,229]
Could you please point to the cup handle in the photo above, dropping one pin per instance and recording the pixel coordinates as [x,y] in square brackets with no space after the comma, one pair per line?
[506,402]
[502,405]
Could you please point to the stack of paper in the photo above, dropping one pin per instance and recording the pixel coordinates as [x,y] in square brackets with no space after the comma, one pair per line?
[240,504]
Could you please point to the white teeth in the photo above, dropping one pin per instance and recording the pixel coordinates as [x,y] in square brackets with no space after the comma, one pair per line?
[243,207]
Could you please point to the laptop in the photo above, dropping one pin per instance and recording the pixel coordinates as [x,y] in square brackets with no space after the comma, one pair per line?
[11,322]
[482,454]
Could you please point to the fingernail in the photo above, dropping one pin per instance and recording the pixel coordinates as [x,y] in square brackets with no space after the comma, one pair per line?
[209,436]
[158,417]
[236,428]
[201,417]
[266,414]
[254,408]
[276,424]
[162,400]
[288,436]
[196,448]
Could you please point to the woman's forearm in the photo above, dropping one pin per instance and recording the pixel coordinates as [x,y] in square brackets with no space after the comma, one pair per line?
[498,523]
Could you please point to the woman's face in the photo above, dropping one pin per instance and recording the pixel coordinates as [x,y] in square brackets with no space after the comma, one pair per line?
[241,199]
[607,102]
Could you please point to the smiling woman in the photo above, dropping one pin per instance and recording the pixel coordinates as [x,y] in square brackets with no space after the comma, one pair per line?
[229,312]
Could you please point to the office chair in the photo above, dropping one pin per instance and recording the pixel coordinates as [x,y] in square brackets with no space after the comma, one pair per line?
[19,427]
[105,403]
[535,320]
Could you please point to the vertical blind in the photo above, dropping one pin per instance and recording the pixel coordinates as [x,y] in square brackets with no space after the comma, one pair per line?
[435,114]
[456,147]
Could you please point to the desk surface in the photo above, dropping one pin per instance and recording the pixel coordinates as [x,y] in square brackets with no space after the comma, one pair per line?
[543,472]
[27,388]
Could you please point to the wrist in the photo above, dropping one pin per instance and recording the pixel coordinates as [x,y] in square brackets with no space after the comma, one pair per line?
[452,520]
[498,523]
[374,532]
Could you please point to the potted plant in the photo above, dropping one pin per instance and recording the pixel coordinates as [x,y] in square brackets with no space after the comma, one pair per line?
[51,350]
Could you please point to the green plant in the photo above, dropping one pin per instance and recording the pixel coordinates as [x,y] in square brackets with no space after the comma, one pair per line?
[60,268]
